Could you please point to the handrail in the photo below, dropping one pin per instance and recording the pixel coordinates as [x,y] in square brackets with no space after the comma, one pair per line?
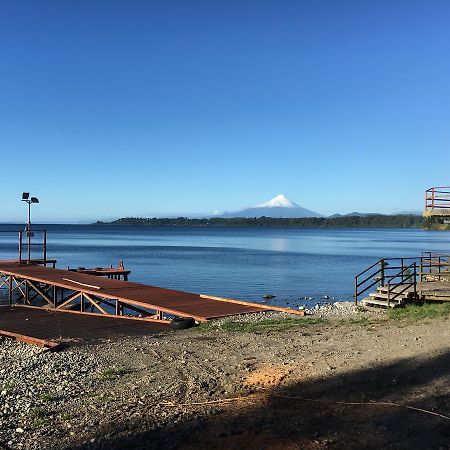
[385,274]
[364,271]
[407,285]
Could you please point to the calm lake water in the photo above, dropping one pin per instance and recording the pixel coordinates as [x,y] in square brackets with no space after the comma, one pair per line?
[243,263]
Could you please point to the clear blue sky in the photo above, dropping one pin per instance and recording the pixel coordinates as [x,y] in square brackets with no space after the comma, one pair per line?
[118,108]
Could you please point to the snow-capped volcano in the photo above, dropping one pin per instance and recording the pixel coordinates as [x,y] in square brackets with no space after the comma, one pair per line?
[278,201]
[279,206]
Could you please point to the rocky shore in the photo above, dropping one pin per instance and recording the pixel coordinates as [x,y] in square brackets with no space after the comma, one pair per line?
[170,390]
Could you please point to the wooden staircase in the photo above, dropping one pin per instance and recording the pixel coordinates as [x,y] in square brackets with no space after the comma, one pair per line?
[394,279]
[393,299]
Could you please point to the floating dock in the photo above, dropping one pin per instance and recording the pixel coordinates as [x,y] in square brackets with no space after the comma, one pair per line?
[84,293]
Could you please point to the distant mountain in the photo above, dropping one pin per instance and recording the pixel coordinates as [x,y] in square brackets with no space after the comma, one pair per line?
[358,214]
[353,214]
[279,206]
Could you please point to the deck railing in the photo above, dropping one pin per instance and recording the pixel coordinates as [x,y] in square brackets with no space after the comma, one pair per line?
[31,245]
[437,197]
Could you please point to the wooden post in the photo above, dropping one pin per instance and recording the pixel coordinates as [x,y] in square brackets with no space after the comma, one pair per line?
[27,291]
[388,294]
[10,290]
[382,272]
[415,280]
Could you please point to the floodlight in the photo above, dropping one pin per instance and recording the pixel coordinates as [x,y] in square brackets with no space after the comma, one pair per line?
[34,200]
[25,195]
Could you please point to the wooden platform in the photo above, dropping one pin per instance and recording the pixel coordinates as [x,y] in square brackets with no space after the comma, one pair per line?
[40,326]
[63,288]
[434,290]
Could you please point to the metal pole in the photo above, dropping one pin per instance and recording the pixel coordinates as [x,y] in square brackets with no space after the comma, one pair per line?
[20,247]
[45,248]
[29,231]
[382,272]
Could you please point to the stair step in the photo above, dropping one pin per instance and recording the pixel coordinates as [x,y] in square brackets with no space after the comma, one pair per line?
[384,296]
[396,289]
[373,301]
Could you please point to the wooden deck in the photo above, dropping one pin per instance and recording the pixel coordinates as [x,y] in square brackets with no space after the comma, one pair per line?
[62,288]
[43,327]
[434,290]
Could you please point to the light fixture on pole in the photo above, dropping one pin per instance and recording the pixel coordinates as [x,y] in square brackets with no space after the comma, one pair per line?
[26,198]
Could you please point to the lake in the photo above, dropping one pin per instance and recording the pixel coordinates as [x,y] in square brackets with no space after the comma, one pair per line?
[244,263]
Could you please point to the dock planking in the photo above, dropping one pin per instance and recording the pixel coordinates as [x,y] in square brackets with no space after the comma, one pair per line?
[126,293]
[32,324]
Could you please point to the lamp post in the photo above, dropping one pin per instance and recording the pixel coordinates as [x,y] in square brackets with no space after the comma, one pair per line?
[26,198]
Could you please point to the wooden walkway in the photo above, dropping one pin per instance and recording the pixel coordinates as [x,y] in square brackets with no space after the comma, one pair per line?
[61,289]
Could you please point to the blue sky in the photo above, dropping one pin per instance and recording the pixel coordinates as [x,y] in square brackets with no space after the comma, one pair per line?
[119,108]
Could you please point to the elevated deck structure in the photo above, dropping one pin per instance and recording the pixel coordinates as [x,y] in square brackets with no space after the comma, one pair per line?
[64,289]
[437,202]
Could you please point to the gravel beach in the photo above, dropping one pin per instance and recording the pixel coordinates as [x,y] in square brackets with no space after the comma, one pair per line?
[289,388]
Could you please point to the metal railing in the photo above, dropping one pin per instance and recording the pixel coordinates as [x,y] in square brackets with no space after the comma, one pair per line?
[437,197]
[395,272]
[408,279]
[33,247]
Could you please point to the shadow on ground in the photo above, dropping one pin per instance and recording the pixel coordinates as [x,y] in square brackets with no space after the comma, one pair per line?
[279,423]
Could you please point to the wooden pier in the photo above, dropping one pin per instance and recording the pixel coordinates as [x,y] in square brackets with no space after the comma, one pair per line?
[84,293]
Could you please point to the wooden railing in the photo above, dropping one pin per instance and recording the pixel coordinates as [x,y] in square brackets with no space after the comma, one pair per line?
[437,197]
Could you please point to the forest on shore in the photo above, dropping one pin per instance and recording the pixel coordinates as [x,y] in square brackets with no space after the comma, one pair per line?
[366,221]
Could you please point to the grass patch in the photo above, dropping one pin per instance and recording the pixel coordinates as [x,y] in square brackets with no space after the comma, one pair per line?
[114,373]
[364,320]
[414,313]
[8,386]
[104,399]
[280,324]
[39,416]
[49,398]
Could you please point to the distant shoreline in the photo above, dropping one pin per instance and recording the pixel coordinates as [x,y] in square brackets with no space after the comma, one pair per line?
[369,221]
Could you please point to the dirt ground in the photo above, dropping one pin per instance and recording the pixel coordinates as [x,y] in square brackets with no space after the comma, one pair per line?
[326,386]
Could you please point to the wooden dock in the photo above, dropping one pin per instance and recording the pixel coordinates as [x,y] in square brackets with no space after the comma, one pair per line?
[51,328]
[88,294]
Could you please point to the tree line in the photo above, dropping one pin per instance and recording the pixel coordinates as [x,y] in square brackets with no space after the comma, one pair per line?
[369,221]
